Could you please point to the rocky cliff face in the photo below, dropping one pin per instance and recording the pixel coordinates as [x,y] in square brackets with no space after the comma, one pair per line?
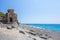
[24,32]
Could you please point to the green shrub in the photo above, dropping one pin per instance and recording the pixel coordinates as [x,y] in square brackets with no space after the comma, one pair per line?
[1,14]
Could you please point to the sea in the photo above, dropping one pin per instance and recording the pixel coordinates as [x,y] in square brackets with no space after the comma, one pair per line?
[52,27]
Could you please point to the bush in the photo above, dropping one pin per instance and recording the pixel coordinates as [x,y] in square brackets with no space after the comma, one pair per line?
[1,14]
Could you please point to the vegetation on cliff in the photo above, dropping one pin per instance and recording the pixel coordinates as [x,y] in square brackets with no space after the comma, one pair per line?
[1,14]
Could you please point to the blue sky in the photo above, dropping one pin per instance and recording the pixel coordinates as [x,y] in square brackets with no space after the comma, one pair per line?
[34,11]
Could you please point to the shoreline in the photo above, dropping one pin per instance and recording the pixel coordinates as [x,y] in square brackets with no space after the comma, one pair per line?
[40,27]
[24,32]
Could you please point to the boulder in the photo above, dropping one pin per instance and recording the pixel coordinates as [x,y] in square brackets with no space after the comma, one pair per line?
[9,27]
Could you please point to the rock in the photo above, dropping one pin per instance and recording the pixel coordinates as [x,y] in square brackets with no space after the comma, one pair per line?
[15,25]
[9,27]
[34,38]
[21,32]
[46,35]
[43,37]
[31,33]
[40,35]
[25,33]
[32,30]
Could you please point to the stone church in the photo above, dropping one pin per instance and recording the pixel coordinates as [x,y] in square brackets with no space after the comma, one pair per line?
[10,17]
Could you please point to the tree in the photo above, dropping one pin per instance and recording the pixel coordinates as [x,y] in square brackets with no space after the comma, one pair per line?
[2,14]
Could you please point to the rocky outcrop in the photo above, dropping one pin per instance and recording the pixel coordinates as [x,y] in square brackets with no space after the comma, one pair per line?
[9,17]
[24,32]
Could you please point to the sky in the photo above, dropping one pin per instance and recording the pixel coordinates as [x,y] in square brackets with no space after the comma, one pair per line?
[34,11]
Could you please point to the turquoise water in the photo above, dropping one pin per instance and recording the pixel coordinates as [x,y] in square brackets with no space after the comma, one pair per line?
[53,27]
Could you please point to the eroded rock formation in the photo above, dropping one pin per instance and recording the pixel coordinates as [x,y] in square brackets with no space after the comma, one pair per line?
[10,17]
